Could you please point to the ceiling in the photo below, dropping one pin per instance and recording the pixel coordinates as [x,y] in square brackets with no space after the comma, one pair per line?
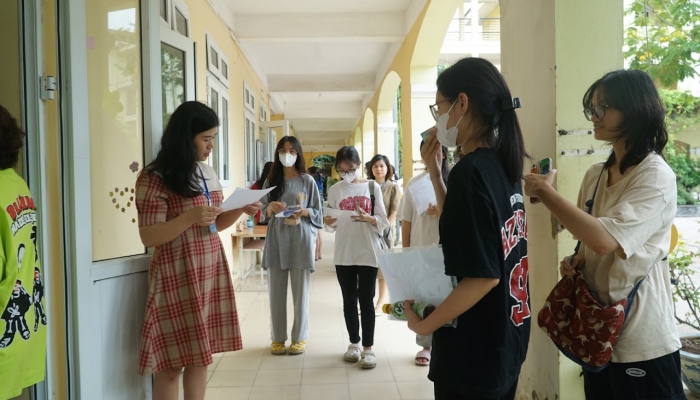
[322,60]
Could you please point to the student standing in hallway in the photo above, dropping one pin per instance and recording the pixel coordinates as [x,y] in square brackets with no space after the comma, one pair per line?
[191,308]
[290,246]
[422,229]
[357,239]
[381,171]
[480,358]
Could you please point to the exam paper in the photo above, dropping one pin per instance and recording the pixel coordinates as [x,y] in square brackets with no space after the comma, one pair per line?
[416,273]
[242,197]
[423,194]
[342,216]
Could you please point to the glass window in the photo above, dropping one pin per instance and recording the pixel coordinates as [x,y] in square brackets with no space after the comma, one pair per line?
[115,125]
[224,141]
[224,69]
[172,62]
[181,23]
[164,9]
[214,58]
[214,104]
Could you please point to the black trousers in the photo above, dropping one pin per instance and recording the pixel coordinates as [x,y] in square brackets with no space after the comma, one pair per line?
[358,283]
[657,379]
[442,393]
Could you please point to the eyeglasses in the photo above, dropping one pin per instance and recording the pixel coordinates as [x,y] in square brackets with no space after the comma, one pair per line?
[434,108]
[598,111]
[292,152]
[343,173]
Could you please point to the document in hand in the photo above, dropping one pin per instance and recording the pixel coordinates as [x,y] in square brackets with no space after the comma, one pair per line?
[341,215]
[242,197]
[423,194]
[416,273]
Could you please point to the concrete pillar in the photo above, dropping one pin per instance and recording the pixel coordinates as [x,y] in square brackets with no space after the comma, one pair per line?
[552,51]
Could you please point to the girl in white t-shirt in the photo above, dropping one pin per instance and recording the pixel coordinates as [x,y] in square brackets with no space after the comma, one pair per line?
[358,227]
[420,226]
[627,235]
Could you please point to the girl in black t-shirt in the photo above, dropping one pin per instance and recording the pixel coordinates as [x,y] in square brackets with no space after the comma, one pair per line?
[483,235]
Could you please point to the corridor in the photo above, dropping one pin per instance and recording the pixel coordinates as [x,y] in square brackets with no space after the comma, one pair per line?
[320,373]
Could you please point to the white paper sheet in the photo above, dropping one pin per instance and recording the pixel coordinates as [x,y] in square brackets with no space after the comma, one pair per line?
[423,194]
[416,273]
[242,197]
[342,216]
[288,213]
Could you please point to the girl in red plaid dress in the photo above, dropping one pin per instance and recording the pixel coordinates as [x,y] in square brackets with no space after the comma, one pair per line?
[191,309]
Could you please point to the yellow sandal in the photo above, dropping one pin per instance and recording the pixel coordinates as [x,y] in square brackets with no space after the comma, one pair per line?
[278,348]
[297,348]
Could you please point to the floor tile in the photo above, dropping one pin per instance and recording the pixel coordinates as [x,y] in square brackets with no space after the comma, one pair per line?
[270,361]
[410,374]
[278,377]
[232,378]
[227,393]
[275,393]
[324,376]
[325,392]
[374,391]
[415,390]
[239,364]
[378,374]
[212,366]
[316,361]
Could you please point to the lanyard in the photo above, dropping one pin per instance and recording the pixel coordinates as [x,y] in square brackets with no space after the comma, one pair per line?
[205,189]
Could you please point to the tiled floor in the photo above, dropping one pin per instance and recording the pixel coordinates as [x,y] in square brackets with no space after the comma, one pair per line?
[320,373]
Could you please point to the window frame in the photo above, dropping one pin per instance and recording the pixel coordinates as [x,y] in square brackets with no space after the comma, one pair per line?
[250,137]
[222,146]
[248,95]
[216,69]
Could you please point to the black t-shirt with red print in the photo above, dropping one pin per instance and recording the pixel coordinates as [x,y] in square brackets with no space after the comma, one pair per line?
[483,231]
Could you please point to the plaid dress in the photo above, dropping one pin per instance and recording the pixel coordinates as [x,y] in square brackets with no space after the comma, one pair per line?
[191,308]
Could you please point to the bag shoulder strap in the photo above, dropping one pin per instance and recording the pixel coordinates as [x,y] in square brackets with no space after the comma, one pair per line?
[371,194]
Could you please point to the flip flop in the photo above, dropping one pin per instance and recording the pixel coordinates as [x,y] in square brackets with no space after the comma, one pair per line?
[423,355]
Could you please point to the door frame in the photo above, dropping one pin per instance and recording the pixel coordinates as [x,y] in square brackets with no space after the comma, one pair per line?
[84,352]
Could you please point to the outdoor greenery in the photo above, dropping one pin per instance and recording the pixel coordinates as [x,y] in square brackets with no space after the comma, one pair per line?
[324,162]
[665,39]
[684,289]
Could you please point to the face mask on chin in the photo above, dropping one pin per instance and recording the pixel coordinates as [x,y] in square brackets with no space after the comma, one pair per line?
[288,160]
[447,137]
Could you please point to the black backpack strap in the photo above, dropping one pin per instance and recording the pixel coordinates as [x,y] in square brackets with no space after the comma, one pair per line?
[371,196]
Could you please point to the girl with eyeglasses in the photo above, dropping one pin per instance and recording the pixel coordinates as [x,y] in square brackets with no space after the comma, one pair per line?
[290,246]
[381,171]
[357,240]
[627,235]
[483,236]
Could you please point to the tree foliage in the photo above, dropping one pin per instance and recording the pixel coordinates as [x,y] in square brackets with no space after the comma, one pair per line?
[665,39]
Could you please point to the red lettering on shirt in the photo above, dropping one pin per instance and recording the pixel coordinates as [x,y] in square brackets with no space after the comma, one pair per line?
[350,203]
[518,290]
[513,231]
[23,203]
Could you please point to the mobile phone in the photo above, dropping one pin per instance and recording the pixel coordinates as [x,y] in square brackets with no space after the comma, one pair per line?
[425,133]
[543,167]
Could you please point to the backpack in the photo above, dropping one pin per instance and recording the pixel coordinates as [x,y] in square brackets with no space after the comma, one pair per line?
[386,235]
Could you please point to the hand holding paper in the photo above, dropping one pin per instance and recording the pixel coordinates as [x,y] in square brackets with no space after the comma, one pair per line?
[242,197]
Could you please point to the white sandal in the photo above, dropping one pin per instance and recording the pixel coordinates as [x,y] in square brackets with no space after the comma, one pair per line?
[368,360]
[353,353]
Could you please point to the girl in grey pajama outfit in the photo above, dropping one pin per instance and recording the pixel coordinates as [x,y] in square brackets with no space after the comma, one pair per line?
[290,245]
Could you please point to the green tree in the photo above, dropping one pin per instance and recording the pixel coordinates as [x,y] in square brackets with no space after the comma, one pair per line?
[665,39]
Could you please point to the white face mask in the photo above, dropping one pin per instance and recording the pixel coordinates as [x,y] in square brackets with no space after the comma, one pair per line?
[447,137]
[349,178]
[288,160]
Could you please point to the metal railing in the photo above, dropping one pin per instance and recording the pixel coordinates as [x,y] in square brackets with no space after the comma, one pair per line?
[460,30]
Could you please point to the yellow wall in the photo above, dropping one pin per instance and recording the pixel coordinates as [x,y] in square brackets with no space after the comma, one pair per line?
[204,20]
[10,89]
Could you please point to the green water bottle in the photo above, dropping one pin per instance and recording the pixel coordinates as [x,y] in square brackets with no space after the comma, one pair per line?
[397,310]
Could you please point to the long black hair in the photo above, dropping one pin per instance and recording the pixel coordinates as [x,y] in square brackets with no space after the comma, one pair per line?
[390,171]
[348,154]
[633,93]
[276,177]
[265,173]
[444,166]
[176,162]
[490,98]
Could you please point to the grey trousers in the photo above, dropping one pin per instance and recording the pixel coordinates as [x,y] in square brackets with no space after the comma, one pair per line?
[424,341]
[301,284]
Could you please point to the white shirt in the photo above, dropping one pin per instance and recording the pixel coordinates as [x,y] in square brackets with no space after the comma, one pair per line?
[356,242]
[213,183]
[638,212]
[425,229]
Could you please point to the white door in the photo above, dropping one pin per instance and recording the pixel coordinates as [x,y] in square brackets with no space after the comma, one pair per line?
[116,96]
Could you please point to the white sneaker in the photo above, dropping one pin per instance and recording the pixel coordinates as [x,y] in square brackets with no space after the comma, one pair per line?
[353,353]
[368,360]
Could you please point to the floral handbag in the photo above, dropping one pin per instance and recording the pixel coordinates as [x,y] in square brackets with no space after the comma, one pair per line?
[583,329]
